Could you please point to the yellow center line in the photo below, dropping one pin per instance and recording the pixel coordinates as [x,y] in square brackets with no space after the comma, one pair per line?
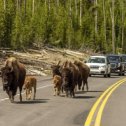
[99,115]
[91,113]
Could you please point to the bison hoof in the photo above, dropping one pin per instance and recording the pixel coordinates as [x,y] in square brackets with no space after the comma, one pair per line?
[12,100]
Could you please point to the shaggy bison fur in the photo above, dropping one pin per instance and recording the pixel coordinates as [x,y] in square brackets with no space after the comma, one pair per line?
[57,81]
[84,70]
[67,81]
[77,79]
[29,83]
[13,75]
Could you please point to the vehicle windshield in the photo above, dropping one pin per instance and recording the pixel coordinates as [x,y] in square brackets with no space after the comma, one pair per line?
[114,58]
[96,60]
[123,58]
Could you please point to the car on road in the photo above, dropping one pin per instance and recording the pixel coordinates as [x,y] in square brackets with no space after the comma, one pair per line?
[99,65]
[117,65]
[123,58]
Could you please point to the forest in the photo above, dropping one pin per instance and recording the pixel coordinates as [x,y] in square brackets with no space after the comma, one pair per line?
[98,25]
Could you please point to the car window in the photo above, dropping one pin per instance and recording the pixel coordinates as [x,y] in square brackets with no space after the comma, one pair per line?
[114,58]
[123,58]
[96,60]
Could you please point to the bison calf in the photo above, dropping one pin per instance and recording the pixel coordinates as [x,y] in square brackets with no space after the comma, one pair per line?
[57,81]
[30,82]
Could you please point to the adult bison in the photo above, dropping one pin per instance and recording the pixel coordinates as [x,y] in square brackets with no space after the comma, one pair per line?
[77,79]
[67,81]
[84,70]
[13,76]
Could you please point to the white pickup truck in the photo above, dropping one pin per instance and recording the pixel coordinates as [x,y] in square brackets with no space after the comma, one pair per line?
[99,65]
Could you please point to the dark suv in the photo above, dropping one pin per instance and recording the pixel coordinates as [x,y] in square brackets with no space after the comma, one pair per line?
[123,58]
[116,64]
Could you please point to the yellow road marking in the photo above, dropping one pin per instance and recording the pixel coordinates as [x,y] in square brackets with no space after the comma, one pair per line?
[99,115]
[91,113]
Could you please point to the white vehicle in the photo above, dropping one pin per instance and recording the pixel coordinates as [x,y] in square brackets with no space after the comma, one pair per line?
[99,65]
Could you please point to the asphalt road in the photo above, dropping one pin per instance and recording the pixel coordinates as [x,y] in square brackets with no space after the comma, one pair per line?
[49,110]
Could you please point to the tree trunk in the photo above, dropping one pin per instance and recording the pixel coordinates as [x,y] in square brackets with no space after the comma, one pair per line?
[25,7]
[104,21]
[45,3]
[80,13]
[4,4]
[122,26]
[33,7]
[70,20]
[49,6]
[96,18]
[76,11]
[57,3]
[17,4]
[113,26]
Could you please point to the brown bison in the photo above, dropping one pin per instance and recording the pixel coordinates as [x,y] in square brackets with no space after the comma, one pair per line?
[77,79]
[84,70]
[57,81]
[67,81]
[29,83]
[13,75]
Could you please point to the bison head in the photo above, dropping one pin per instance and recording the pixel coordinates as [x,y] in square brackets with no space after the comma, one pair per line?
[55,70]
[66,79]
[7,80]
[11,62]
[6,75]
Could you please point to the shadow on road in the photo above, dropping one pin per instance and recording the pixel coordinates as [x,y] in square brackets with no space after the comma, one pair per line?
[94,91]
[84,97]
[113,76]
[83,92]
[36,101]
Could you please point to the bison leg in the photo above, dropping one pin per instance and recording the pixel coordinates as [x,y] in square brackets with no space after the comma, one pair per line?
[66,92]
[83,85]
[34,93]
[30,94]
[54,92]
[75,89]
[79,83]
[87,86]
[83,88]
[20,90]
[72,89]
[58,90]
[62,88]
[11,97]
[26,94]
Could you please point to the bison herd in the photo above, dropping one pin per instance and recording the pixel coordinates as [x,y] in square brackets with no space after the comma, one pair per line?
[66,78]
